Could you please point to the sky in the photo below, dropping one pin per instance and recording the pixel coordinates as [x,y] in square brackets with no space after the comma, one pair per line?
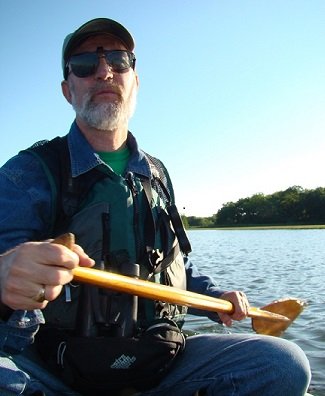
[231,98]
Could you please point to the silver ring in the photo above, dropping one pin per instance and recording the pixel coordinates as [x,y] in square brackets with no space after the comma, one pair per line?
[40,296]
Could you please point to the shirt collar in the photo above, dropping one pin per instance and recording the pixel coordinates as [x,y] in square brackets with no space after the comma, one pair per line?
[83,158]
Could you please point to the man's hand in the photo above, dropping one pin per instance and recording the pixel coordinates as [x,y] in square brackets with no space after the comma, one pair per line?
[33,266]
[240,303]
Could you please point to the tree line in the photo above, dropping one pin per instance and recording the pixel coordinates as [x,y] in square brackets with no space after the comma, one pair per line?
[294,206]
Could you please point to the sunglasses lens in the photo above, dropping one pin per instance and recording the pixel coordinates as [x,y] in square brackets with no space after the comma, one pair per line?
[84,65]
[119,60]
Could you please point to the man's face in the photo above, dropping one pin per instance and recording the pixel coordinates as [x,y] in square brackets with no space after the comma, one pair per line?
[106,99]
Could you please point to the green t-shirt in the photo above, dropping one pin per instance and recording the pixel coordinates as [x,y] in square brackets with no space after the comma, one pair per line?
[117,160]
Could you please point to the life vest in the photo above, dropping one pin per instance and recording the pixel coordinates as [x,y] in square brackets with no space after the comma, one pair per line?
[128,224]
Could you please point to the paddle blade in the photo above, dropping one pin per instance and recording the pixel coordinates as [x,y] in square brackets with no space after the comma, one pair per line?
[289,307]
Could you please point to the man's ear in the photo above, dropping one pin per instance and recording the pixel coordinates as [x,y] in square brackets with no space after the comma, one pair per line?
[66,90]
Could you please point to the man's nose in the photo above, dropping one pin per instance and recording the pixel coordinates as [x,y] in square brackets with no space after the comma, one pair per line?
[104,71]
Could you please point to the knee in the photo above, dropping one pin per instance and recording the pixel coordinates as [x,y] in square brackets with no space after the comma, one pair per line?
[291,366]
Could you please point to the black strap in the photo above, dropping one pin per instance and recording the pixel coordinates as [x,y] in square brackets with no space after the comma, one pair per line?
[176,220]
[161,178]
[157,265]
[179,229]
[166,262]
[68,192]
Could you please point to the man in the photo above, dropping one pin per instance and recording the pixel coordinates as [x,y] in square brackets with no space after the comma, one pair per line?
[126,216]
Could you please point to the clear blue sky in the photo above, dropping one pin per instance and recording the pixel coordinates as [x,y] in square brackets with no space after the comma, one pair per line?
[232,92]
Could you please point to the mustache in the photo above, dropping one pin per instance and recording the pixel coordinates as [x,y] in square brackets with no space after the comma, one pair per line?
[100,87]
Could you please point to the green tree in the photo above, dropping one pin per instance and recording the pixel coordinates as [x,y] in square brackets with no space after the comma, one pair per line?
[185,221]
[294,205]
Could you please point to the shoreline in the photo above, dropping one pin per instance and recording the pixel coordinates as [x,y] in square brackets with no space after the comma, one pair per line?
[262,227]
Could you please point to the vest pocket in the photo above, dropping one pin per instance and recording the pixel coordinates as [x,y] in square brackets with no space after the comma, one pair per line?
[90,227]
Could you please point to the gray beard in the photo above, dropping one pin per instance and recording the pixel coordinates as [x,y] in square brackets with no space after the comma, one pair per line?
[104,116]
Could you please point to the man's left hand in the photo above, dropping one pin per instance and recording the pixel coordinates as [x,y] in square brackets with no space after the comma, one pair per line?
[240,303]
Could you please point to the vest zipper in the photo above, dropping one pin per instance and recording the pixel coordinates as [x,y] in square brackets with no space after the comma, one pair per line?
[136,211]
[105,238]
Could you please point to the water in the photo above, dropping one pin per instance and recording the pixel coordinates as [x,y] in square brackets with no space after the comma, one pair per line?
[268,265]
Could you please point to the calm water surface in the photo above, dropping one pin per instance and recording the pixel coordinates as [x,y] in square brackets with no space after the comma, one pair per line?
[268,265]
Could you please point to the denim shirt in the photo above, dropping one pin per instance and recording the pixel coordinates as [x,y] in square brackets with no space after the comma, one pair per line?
[25,193]
[25,204]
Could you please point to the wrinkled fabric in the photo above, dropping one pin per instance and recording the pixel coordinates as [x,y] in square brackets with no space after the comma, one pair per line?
[237,365]
[19,330]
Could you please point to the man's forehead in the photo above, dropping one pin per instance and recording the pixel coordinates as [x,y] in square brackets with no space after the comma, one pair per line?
[107,41]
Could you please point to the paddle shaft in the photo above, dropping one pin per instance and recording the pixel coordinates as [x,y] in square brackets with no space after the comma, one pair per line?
[155,291]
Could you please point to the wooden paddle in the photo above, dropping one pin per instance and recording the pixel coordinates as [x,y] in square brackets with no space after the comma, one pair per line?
[290,307]
[272,319]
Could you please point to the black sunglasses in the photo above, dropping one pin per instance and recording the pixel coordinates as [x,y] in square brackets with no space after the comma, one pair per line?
[85,64]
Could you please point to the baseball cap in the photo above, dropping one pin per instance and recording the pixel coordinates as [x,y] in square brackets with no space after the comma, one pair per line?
[92,28]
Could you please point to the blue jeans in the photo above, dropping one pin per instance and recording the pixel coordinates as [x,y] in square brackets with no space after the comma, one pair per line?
[20,375]
[233,365]
[217,364]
